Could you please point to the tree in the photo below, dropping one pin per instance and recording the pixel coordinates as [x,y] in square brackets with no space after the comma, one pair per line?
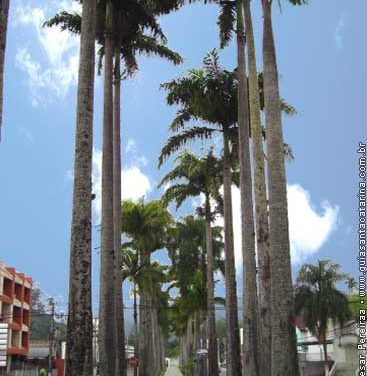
[41,321]
[187,249]
[144,278]
[189,311]
[121,31]
[149,45]
[284,352]
[199,176]
[146,225]
[79,326]
[319,301]
[250,311]
[107,318]
[4,13]
[355,304]
[261,210]
[206,95]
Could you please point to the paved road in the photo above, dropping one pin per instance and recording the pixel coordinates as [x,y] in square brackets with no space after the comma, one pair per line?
[173,369]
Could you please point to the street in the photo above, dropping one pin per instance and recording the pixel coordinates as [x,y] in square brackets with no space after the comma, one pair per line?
[173,369]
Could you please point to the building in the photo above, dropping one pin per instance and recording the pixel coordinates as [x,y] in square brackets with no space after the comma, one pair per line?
[341,350]
[15,311]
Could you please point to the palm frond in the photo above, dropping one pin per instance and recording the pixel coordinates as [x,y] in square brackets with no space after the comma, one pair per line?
[176,142]
[211,65]
[184,115]
[298,2]
[226,22]
[179,193]
[149,45]
[66,21]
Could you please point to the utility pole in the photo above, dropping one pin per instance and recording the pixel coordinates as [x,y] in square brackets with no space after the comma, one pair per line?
[51,336]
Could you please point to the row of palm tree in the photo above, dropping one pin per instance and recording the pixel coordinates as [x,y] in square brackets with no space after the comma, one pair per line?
[209,96]
[148,226]
[318,300]
[222,102]
[209,108]
[119,29]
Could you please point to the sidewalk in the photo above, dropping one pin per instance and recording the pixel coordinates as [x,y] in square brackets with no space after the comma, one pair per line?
[173,369]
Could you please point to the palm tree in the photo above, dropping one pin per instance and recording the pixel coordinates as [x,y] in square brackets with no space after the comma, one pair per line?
[200,175]
[123,40]
[194,238]
[187,248]
[144,277]
[250,312]
[133,272]
[319,301]
[207,95]
[261,211]
[150,45]
[4,13]
[107,322]
[284,351]
[119,312]
[79,325]
[146,224]
[195,176]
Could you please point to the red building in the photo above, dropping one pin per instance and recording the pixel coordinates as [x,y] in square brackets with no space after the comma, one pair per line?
[15,310]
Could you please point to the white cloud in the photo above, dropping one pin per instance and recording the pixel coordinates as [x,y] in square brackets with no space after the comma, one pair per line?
[131,149]
[339,32]
[134,183]
[309,229]
[51,64]
[130,146]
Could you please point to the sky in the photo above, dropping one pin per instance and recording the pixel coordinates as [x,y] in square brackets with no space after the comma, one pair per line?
[321,58]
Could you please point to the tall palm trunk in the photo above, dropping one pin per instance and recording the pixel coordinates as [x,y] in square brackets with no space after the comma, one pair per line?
[107,346]
[136,344]
[187,344]
[324,345]
[79,338]
[233,338]
[250,358]
[261,211]
[120,332]
[212,350]
[4,13]
[146,355]
[156,341]
[284,350]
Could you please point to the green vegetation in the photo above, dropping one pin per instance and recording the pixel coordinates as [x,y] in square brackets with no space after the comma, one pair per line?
[219,112]
[319,301]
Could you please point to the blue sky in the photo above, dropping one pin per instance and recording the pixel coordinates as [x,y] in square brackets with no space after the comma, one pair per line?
[322,63]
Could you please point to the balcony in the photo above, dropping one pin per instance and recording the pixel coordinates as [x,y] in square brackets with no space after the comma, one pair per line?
[17,315]
[27,295]
[6,314]
[26,317]
[18,291]
[8,288]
